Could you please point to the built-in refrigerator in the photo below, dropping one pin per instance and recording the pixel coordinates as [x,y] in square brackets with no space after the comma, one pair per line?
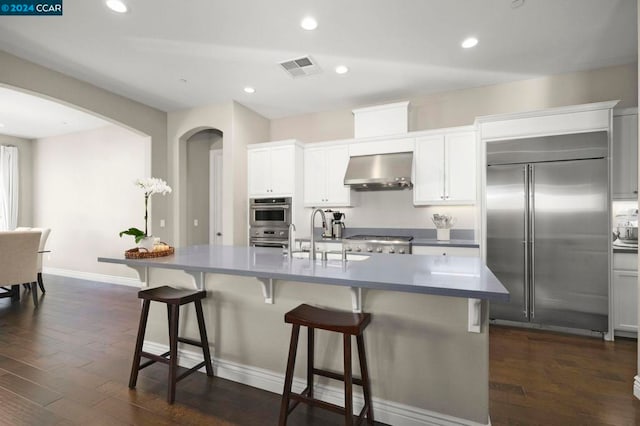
[548,236]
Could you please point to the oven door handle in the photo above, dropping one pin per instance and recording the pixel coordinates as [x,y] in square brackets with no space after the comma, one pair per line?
[270,207]
[272,243]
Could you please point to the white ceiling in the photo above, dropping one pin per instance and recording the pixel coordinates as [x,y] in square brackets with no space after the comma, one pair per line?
[394,48]
[32,117]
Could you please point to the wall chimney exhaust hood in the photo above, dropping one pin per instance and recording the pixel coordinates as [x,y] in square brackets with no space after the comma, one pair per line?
[380,172]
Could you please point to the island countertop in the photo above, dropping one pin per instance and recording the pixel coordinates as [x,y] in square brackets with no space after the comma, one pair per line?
[451,276]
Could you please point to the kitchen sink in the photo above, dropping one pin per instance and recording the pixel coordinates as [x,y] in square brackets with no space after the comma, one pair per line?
[330,256]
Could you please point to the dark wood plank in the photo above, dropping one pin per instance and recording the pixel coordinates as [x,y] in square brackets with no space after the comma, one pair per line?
[74,355]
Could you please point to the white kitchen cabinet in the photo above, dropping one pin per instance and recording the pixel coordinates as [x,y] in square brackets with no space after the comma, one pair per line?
[445,169]
[324,170]
[271,170]
[625,155]
[446,251]
[625,292]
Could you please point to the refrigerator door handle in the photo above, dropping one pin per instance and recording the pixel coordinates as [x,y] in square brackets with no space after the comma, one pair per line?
[532,239]
[525,171]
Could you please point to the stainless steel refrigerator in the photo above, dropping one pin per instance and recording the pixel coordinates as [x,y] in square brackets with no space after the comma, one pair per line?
[548,233]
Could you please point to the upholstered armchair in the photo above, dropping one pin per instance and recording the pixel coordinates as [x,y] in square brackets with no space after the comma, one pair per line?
[19,262]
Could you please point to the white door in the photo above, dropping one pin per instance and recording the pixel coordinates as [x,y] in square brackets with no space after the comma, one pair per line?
[259,165]
[282,162]
[429,170]
[315,177]
[625,157]
[337,161]
[215,197]
[460,168]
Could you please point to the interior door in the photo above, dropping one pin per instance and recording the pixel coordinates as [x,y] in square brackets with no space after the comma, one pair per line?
[506,204]
[215,197]
[570,251]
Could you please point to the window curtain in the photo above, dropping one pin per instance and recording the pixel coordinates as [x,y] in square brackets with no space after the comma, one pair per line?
[8,188]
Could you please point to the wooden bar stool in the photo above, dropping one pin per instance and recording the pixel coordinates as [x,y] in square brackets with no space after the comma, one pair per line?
[173,298]
[349,324]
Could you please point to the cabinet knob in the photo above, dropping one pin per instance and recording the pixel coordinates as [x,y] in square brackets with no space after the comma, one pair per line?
[442,197]
[635,192]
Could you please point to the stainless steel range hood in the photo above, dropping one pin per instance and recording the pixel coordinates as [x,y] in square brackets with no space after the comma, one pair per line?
[380,172]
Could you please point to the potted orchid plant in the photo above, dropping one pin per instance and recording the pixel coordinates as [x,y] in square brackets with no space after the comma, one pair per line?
[150,186]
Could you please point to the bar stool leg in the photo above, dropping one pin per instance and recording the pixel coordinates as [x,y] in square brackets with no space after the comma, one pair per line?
[364,372]
[173,355]
[348,387]
[288,380]
[203,339]
[133,378]
[310,356]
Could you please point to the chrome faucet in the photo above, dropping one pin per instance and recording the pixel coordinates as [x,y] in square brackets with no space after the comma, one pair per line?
[312,252]
[292,228]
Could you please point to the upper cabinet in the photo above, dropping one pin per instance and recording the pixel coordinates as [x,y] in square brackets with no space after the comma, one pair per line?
[272,169]
[624,151]
[445,168]
[324,170]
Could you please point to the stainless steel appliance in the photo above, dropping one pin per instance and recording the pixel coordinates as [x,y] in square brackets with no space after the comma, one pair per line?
[337,224]
[378,244]
[269,237]
[625,229]
[548,231]
[380,172]
[270,212]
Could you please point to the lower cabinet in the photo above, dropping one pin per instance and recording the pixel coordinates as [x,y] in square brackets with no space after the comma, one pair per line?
[446,251]
[625,292]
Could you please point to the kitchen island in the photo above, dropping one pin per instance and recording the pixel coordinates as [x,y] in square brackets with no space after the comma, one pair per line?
[425,365]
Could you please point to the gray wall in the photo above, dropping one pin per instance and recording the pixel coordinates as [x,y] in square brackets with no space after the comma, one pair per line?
[25,160]
[461,107]
[83,189]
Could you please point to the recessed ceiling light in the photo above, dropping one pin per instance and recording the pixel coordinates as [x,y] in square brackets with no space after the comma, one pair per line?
[117,6]
[341,69]
[469,42]
[309,23]
[249,90]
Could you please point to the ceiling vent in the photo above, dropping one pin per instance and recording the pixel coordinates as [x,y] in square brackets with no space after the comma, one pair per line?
[300,67]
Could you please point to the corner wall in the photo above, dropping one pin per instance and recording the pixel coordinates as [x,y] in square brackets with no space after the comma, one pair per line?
[23,75]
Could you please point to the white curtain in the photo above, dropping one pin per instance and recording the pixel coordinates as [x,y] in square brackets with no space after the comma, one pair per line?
[8,188]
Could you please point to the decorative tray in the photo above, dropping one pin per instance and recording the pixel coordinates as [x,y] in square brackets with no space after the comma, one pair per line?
[137,253]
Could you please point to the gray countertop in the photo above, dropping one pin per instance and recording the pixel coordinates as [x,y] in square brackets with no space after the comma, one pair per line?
[439,275]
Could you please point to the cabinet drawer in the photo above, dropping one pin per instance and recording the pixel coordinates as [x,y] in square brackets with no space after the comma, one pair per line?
[447,251]
[625,261]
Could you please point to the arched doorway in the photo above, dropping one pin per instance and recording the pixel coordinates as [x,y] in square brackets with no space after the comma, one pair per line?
[202,183]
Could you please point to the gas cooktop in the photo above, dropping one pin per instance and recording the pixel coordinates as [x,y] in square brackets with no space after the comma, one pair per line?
[385,238]
[378,243]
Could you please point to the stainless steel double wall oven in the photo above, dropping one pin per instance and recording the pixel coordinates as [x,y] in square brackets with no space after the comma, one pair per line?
[269,220]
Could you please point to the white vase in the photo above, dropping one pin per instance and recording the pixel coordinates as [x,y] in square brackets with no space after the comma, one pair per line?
[147,243]
[442,234]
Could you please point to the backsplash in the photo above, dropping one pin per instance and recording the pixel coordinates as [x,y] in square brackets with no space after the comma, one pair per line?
[395,209]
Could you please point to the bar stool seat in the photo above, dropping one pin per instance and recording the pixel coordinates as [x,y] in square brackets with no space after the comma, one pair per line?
[348,324]
[173,298]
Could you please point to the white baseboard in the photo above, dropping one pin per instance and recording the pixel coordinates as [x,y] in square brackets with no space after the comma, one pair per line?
[389,412]
[90,276]
[636,387]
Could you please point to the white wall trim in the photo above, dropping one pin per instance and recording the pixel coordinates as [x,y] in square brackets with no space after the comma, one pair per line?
[388,412]
[636,387]
[548,111]
[90,276]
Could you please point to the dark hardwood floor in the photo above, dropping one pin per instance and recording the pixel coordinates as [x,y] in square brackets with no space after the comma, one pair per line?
[67,363]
